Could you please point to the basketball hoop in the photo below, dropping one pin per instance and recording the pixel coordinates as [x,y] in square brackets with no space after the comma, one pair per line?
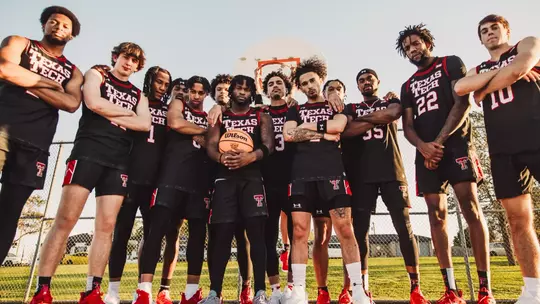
[286,66]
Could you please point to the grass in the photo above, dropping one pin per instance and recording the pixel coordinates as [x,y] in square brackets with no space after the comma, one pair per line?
[388,280]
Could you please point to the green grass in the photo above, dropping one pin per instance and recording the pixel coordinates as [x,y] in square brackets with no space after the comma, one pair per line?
[388,280]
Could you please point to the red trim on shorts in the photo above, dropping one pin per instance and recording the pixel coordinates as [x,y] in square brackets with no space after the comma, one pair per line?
[70,172]
[347,187]
[289,190]
[153,199]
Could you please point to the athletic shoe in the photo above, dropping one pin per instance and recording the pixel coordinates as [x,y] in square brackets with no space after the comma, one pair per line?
[527,298]
[323,297]
[94,297]
[450,297]
[418,298]
[260,298]
[284,257]
[211,299]
[360,296]
[370,296]
[43,296]
[298,296]
[344,297]
[287,293]
[143,297]
[246,297]
[196,298]
[275,297]
[485,296]
[112,299]
[164,297]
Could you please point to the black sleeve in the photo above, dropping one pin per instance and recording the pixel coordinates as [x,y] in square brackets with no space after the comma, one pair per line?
[349,110]
[455,68]
[292,114]
[406,100]
[394,100]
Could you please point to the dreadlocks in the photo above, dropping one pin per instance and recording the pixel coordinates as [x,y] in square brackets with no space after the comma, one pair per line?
[149,78]
[421,31]
[312,64]
[219,79]
[279,74]
[239,80]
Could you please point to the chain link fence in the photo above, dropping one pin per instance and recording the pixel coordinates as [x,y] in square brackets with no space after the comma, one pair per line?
[387,275]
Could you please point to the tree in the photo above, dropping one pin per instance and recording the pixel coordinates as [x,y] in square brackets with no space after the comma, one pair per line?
[31,218]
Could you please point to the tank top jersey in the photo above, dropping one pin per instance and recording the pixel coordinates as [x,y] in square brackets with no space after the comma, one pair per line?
[98,139]
[186,165]
[276,168]
[24,116]
[378,159]
[148,147]
[250,122]
[317,159]
[429,93]
[512,114]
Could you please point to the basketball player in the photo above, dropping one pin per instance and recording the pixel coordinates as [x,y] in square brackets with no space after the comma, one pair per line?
[435,122]
[143,168]
[317,178]
[276,174]
[182,191]
[37,81]
[239,190]
[508,86]
[179,90]
[99,159]
[220,89]
[374,165]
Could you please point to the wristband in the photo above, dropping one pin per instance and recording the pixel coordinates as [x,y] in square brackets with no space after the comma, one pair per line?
[321,126]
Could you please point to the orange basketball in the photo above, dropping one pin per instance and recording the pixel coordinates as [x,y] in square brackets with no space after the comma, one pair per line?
[235,139]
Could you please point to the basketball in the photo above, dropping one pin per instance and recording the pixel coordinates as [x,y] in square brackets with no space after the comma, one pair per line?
[235,139]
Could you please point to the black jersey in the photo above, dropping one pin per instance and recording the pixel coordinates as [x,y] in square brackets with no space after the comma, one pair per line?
[379,157]
[186,165]
[148,147]
[276,168]
[23,115]
[249,122]
[512,114]
[429,93]
[317,159]
[100,140]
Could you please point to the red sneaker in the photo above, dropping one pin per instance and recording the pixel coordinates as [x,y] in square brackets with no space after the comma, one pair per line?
[43,296]
[164,297]
[246,297]
[485,296]
[142,297]
[284,257]
[323,297]
[450,297]
[94,297]
[344,297]
[196,298]
[417,297]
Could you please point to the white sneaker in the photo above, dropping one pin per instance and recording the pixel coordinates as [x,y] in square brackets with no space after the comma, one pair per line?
[286,296]
[111,299]
[276,296]
[359,295]
[298,296]
[527,298]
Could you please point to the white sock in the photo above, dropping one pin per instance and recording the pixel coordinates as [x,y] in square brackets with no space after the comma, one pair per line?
[146,287]
[365,280]
[355,275]
[275,287]
[451,278]
[299,274]
[190,291]
[532,286]
[89,281]
[114,288]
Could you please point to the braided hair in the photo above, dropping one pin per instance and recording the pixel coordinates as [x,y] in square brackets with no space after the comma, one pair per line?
[149,78]
[239,80]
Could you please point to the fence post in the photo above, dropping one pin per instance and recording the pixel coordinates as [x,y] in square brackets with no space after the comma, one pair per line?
[36,251]
[466,254]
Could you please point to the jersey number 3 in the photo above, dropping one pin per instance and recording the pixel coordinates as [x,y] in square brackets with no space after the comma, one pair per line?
[280,143]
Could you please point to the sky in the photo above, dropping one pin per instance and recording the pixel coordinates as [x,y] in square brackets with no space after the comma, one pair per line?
[208,37]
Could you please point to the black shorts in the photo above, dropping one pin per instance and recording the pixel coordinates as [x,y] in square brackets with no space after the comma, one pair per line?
[513,174]
[24,164]
[90,175]
[395,195]
[142,196]
[185,205]
[277,199]
[234,199]
[319,197]
[459,164]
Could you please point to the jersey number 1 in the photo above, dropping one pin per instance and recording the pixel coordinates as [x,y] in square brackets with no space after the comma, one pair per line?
[151,135]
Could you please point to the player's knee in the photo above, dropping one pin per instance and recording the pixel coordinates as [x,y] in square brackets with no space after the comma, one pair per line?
[106,225]
[65,222]
[437,217]
[300,232]
[520,222]
[344,230]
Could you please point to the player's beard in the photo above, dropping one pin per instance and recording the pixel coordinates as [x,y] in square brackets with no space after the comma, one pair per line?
[423,59]
[55,41]
[276,96]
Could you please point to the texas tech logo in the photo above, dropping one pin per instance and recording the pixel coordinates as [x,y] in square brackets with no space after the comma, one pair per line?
[462,161]
[40,169]
[124,178]
[335,182]
[259,198]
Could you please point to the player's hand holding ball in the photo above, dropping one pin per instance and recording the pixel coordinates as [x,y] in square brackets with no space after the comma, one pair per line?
[236,147]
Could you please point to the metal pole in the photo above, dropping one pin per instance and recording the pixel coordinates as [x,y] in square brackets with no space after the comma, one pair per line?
[466,254]
[36,251]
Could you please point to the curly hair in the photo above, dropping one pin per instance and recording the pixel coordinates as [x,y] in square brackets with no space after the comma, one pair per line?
[285,78]
[198,79]
[129,49]
[219,79]
[239,80]
[51,10]
[312,64]
[332,80]
[421,31]
[495,19]
[149,78]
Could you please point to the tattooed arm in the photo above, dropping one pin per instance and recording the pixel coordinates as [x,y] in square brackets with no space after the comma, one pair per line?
[292,133]
[455,118]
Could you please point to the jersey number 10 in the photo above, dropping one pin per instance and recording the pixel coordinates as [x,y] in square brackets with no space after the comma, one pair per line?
[502,99]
